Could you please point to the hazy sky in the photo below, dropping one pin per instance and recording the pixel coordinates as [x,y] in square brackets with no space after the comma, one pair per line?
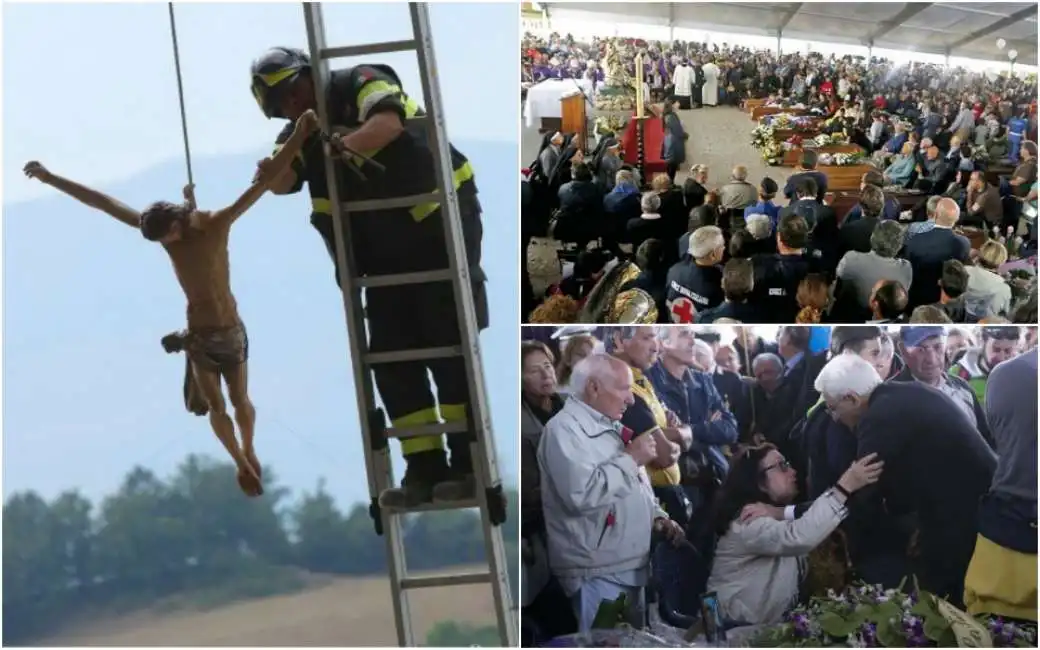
[91,88]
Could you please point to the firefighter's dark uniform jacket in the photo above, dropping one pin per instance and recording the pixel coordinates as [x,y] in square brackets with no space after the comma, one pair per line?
[400,240]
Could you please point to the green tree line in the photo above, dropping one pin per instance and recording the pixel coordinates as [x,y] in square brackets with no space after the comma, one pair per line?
[195,538]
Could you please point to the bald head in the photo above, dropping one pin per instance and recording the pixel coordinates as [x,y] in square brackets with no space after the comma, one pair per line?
[596,367]
[603,382]
[947,212]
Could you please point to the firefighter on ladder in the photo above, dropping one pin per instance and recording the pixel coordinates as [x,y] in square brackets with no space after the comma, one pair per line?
[370,104]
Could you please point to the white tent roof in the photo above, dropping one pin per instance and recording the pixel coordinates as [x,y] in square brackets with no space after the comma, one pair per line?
[968,29]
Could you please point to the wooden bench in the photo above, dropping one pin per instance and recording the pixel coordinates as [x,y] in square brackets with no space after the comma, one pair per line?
[977,236]
[844,201]
[794,156]
[994,172]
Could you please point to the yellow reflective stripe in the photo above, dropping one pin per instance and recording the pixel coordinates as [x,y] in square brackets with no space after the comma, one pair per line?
[453,412]
[276,77]
[814,407]
[411,107]
[322,206]
[416,418]
[461,175]
[375,86]
[411,446]
[419,212]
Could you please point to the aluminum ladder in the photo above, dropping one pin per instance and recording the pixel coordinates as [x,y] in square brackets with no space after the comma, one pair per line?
[489,498]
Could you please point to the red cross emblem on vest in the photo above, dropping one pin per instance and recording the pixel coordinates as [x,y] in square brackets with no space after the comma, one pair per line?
[682,310]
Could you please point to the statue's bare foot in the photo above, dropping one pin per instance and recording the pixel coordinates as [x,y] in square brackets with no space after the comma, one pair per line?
[250,483]
[254,462]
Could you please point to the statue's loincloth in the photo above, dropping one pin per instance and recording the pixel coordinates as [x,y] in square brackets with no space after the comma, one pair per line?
[211,349]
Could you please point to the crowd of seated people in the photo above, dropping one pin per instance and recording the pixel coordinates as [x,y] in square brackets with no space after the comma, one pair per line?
[676,254]
[938,131]
[662,462]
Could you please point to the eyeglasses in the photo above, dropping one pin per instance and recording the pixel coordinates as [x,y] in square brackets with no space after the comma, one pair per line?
[783,465]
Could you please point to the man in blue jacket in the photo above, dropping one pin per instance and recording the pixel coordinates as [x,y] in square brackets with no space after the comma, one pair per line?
[690,394]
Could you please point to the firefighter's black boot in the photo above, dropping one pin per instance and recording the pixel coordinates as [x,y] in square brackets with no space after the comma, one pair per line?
[461,484]
[423,470]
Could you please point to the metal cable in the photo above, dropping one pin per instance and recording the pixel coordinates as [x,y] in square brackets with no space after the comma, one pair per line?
[180,93]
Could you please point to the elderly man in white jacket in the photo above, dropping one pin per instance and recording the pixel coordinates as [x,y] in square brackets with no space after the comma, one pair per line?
[599,507]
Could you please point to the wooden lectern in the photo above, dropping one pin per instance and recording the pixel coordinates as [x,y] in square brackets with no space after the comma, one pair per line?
[573,118]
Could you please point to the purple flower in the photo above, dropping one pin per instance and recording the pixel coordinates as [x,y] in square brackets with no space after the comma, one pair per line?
[868,632]
[801,626]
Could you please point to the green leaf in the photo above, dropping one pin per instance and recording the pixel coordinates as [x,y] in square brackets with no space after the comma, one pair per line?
[922,609]
[948,639]
[890,634]
[936,627]
[835,625]
[888,609]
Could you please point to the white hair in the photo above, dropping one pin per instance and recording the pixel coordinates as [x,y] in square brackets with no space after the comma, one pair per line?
[650,202]
[700,347]
[706,240]
[760,226]
[847,374]
[595,366]
[767,357]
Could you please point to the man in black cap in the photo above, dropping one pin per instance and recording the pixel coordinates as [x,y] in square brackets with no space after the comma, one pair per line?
[767,190]
[937,467]
[923,348]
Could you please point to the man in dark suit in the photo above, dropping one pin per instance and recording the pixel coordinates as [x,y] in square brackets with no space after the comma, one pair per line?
[928,250]
[807,169]
[937,466]
[855,236]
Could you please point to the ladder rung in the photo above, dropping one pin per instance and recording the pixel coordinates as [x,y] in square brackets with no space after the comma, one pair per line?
[370,48]
[427,430]
[420,354]
[435,506]
[391,204]
[446,580]
[401,279]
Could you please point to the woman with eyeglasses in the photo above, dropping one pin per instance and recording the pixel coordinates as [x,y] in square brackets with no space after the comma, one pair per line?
[759,563]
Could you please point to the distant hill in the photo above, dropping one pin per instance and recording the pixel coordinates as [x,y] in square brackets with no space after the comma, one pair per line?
[335,612]
[89,392]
